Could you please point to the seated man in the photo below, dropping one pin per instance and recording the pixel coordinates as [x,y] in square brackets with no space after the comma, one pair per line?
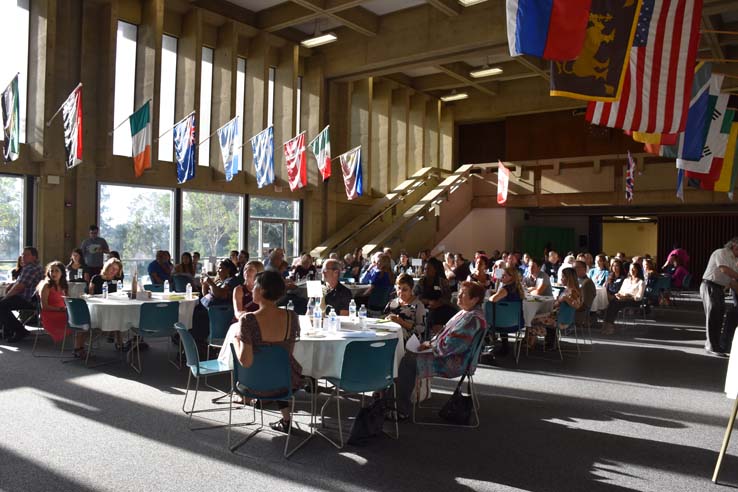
[160,269]
[20,294]
[537,281]
[337,296]
[589,292]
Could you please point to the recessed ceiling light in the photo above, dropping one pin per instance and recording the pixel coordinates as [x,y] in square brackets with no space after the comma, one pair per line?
[469,3]
[485,71]
[454,96]
[319,40]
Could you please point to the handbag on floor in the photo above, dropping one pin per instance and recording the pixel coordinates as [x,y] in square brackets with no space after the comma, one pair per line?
[369,422]
[458,408]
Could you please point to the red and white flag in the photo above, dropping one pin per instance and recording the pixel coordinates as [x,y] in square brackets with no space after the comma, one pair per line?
[296,161]
[503,179]
[72,114]
[658,80]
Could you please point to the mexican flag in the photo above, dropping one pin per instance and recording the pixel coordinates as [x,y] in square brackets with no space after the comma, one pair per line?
[141,134]
[320,146]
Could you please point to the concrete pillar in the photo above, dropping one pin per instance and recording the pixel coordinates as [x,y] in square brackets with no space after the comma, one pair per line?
[284,107]
[41,83]
[224,91]
[416,133]
[340,116]
[446,136]
[398,161]
[257,76]
[380,136]
[313,121]
[189,57]
[361,127]
[148,61]
[430,151]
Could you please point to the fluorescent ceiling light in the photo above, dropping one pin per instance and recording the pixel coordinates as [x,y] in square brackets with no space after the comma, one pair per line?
[319,40]
[469,3]
[454,96]
[485,71]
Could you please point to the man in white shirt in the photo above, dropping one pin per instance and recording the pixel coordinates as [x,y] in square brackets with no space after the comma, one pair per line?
[721,272]
[537,281]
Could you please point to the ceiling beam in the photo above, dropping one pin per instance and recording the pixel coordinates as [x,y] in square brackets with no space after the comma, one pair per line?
[283,16]
[448,7]
[227,10]
[533,67]
[460,72]
[358,19]
[711,38]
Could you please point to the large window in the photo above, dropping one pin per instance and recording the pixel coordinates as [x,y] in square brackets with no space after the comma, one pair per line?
[298,109]
[11,223]
[211,223]
[125,86]
[270,96]
[206,101]
[273,224]
[240,102]
[136,222]
[167,96]
[14,14]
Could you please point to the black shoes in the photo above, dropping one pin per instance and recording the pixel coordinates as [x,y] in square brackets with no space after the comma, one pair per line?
[18,336]
[281,425]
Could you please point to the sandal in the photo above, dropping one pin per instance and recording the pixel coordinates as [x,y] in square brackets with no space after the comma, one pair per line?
[281,425]
[80,353]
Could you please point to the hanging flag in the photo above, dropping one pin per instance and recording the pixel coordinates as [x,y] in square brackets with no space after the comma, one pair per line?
[731,156]
[184,148]
[629,178]
[262,145]
[141,138]
[351,168]
[503,181]
[680,184]
[11,121]
[550,29]
[659,75]
[320,146]
[598,72]
[229,136]
[72,114]
[709,178]
[295,159]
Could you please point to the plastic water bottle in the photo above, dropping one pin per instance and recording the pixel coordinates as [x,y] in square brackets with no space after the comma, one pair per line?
[166,286]
[188,291]
[362,317]
[333,320]
[317,317]
[352,311]
[310,307]
[119,287]
[290,305]
[105,290]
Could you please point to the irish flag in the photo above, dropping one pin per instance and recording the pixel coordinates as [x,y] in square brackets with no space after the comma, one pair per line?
[141,135]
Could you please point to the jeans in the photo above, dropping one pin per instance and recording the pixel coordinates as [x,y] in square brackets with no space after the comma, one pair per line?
[7,318]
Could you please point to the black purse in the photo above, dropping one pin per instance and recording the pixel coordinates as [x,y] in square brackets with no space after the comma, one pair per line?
[369,422]
[458,408]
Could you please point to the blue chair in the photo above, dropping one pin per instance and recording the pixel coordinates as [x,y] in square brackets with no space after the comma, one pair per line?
[566,318]
[154,287]
[78,320]
[180,281]
[368,366]
[505,317]
[155,321]
[470,367]
[220,317]
[198,369]
[269,373]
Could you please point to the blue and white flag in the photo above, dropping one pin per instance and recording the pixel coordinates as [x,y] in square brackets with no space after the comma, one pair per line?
[184,148]
[263,146]
[351,167]
[230,147]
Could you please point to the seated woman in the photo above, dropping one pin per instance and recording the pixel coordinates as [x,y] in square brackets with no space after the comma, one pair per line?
[630,294]
[678,272]
[406,310]
[77,268]
[381,276]
[449,265]
[186,268]
[51,290]
[546,324]
[448,350]
[270,325]
[243,297]
[480,275]
[220,290]
[304,269]
[110,270]
[403,265]
[599,273]
[615,279]
[510,290]
[433,280]
[569,262]
[116,255]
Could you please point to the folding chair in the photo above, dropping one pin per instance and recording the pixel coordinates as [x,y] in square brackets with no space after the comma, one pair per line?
[506,317]
[78,320]
[566,318]
[155,321]
[220,317]
[154,287]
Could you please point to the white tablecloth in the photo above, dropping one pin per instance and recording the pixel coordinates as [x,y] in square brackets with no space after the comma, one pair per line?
[601,301]
[533,306]
[322,357]
[118,313]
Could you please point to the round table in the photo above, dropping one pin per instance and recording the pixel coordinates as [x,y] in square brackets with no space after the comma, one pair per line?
[321,356]
[534,305]
[76,289]
[118,313]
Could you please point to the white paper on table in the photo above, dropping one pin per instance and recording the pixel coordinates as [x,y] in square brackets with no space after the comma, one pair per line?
[314,288]
[416,262]
[413,345]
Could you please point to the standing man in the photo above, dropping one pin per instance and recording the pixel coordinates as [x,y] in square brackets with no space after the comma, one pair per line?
[19,295]
[93,249]
[721,272]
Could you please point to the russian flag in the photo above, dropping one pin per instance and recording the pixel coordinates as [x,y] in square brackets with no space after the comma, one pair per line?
[550,29]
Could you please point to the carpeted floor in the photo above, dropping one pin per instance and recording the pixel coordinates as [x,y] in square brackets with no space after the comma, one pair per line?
[643,411]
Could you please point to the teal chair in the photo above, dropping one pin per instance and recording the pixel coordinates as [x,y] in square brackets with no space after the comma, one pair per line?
[368,366]
[180,281]
[78,320]
[155,321]
[220,318]
[154,287]
[566,318]
[506,317]
[269,373]
[198,369]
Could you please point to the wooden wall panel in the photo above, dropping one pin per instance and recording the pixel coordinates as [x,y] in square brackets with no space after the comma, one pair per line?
[481,142]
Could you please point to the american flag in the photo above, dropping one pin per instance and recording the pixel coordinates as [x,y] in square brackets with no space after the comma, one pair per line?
[629,178]
[658,80]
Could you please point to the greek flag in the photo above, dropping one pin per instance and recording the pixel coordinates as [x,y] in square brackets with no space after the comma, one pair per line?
[230,149]
[262,145]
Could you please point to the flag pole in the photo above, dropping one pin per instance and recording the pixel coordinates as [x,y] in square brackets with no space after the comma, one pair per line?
[129,117]
[304,131]
[216,131]
[347,152]
[265,129]
[177,123]
[48,123]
